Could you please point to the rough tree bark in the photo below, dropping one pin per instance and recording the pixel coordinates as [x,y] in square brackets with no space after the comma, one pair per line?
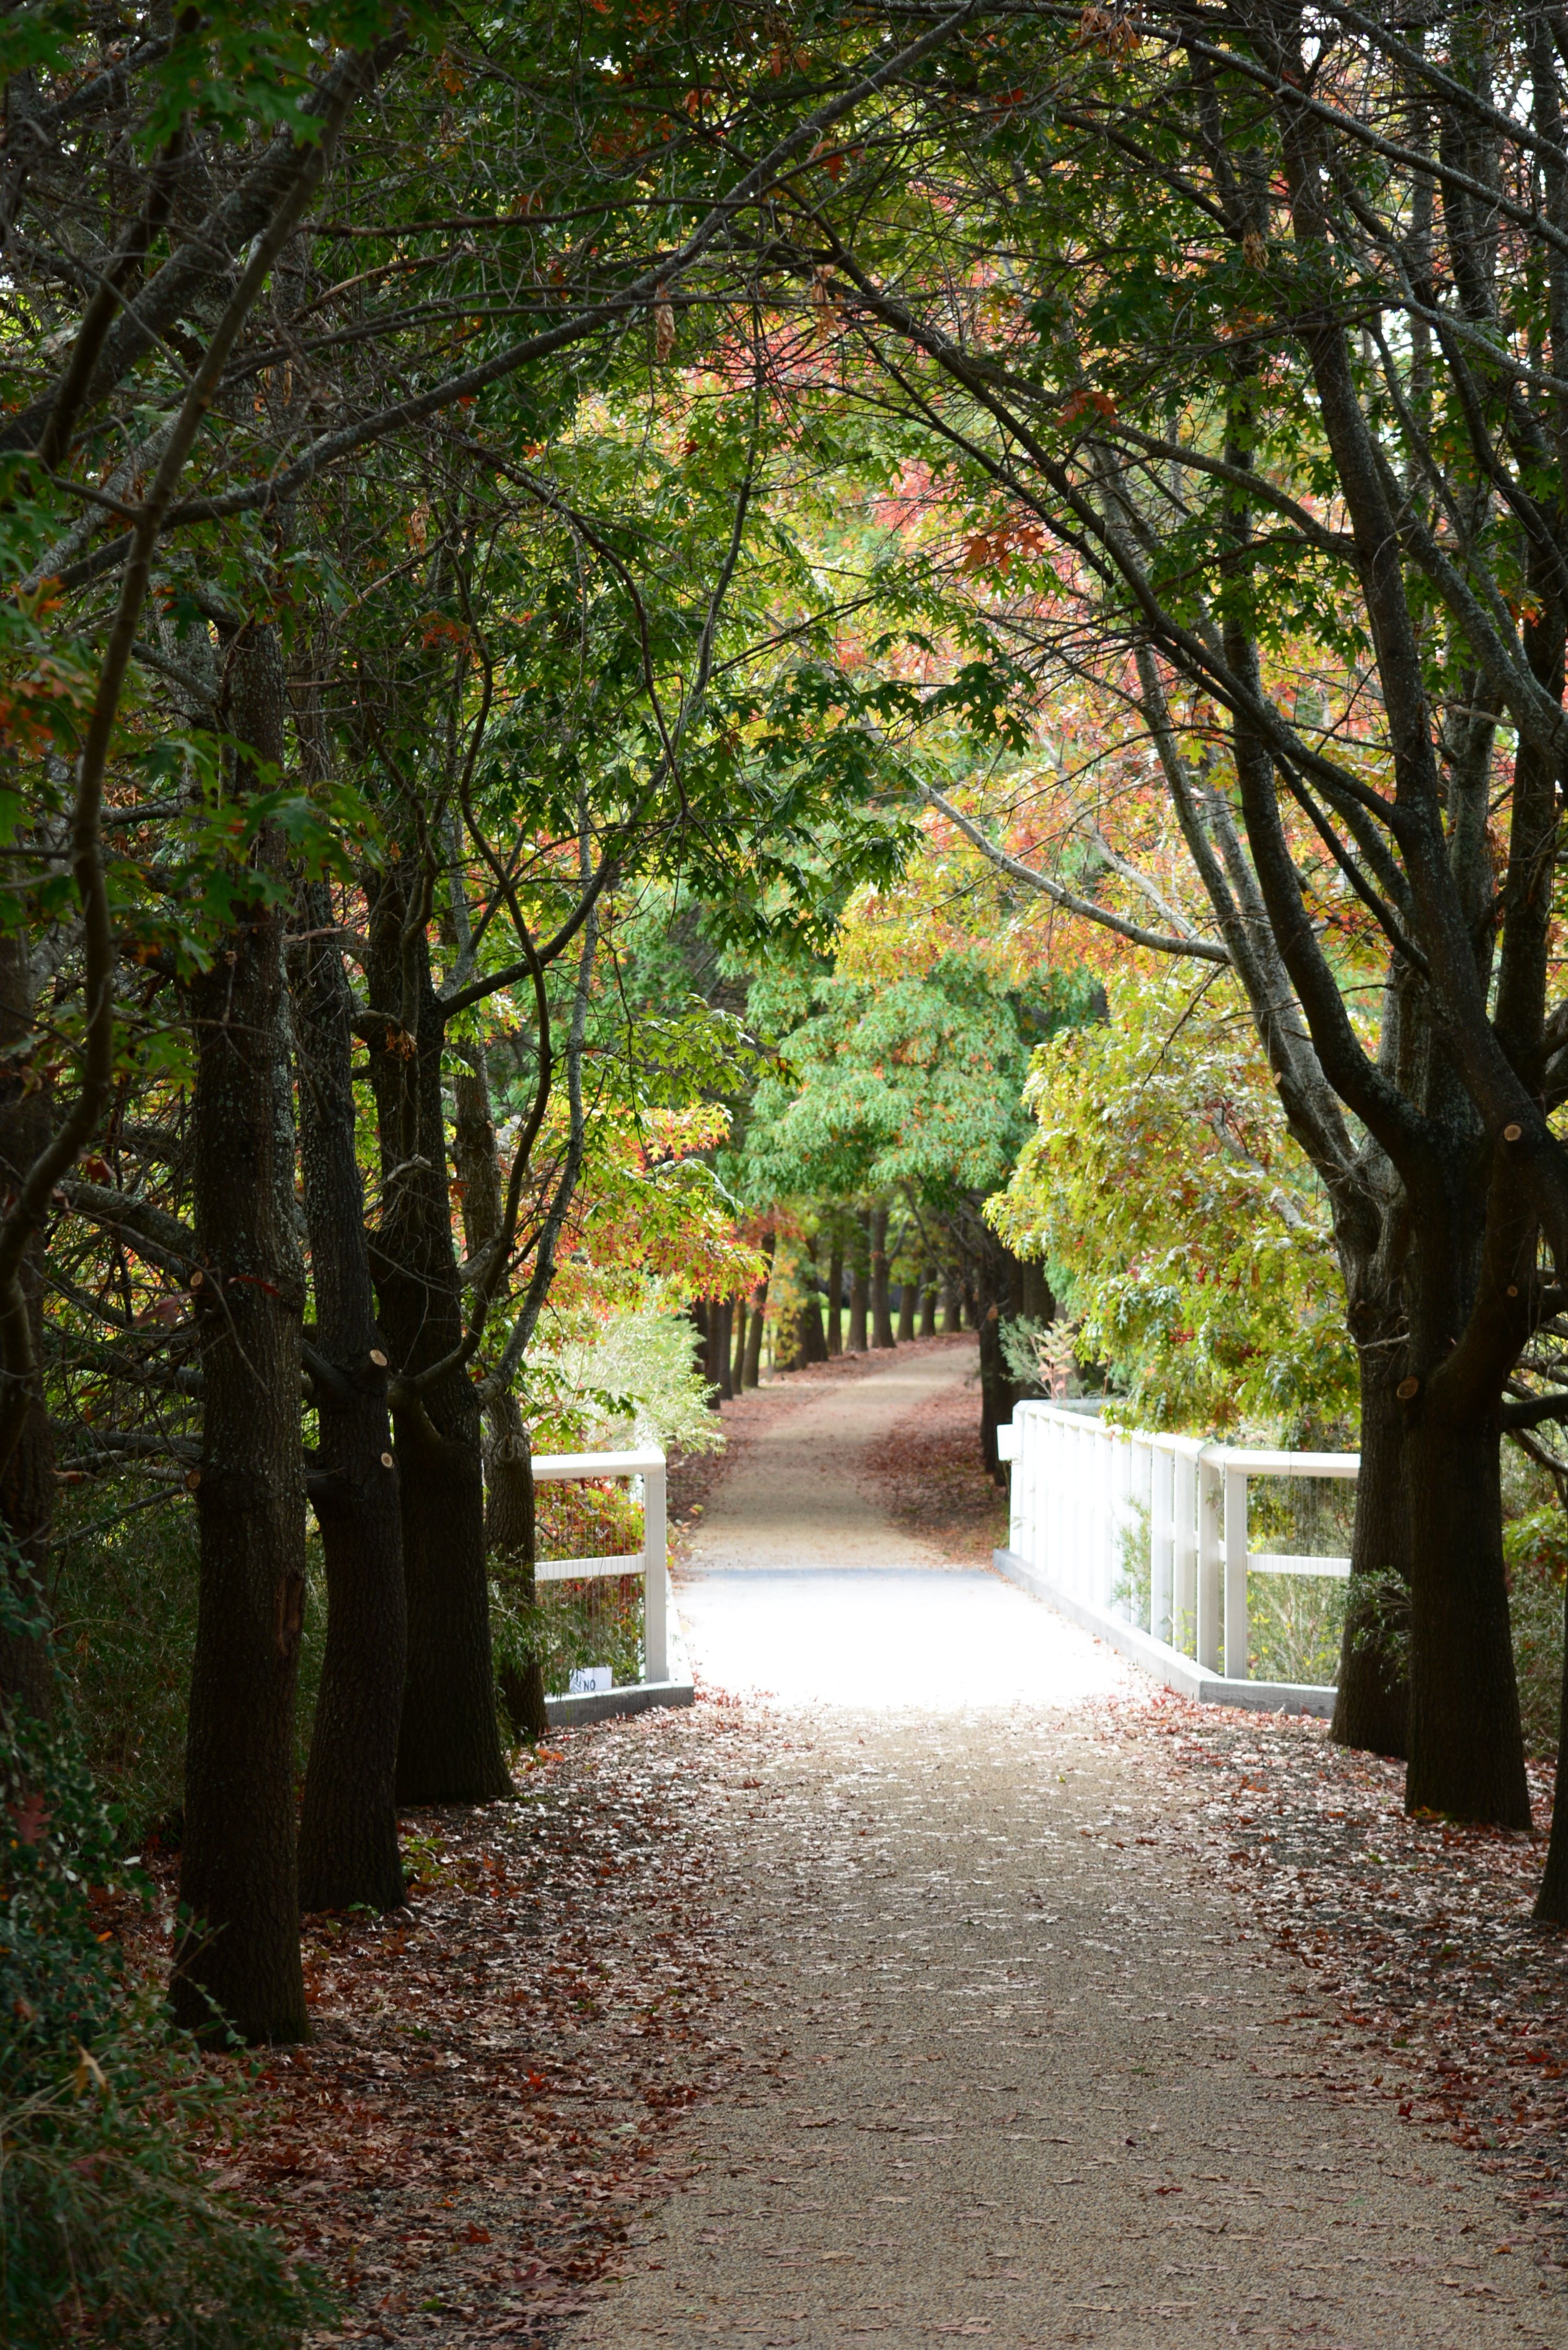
[1551,1894]
[449,1745]
[754,1367]
[238,1884]
[998,1276]
[348,1823]
[1372,1702]
[511,1524]
[861,1240]
[909,1293]
[738,1351]
[813,1338]
[836,1291]
[881,1319]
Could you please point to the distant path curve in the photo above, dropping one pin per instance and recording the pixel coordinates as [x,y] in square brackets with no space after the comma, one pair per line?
[796,1496]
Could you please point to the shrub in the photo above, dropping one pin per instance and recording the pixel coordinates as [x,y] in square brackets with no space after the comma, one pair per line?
[110,2226]
[1536,1549]
[124,1606]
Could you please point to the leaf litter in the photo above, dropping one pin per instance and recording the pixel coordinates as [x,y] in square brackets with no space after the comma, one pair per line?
[1452,2003]
[499,2071]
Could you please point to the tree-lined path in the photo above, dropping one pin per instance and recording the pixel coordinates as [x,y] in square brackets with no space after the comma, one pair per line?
[1007,2068]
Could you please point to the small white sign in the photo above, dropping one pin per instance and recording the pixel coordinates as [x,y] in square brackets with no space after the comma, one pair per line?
[587,1680]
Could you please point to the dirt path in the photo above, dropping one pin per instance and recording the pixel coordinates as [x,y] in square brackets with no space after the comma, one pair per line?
[996,2066]
[798,1493]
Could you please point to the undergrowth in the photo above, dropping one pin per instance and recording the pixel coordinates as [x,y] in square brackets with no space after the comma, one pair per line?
[112,2228]
[1535,1547]
[594,1620]
[124,1604]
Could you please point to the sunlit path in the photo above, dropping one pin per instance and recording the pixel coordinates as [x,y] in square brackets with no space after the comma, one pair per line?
[870,1639]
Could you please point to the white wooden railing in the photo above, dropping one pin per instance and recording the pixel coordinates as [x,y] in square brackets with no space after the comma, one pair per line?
[647,1468]
[1086,1494]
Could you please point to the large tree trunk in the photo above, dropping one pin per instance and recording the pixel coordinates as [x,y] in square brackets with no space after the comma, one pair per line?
[1035,1299]
[999,1282]
[929,1311]
[952,1306]
[753,1364]
[27,1482]
[908,1294]
[1551,1894]
[1372,1707]
[836,1293]
[1467,1753]
[449,1745]
[713,1349]
[349,1824]
[238,1885]
[881,1319]
[511,1525]
[858,1290]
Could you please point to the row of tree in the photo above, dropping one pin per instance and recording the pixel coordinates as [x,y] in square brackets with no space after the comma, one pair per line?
[368,677]
[1228,352]
[388,639]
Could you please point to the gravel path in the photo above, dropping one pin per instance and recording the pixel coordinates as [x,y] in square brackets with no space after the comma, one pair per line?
[1001,2070]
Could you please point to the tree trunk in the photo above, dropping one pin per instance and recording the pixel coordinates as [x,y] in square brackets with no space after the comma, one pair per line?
[998,1275]
[724,1312]
[929,1311]
[511,1536]
[738,1348]
[858,1299]
[449,1744]
[1035,1300]
[27,1482]
[348,1823]
[836,1293]
[1372,1708]
[909,1291]
[953,1315]
[1467,1757]
[753,1365]
[238,1884]
[1551,1894]
[881,1320]
[711,1351]
[511,1533]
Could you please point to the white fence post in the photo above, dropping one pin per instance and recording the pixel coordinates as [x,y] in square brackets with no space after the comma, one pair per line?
[1161,1539]
[1235,1572]
[655,1578]
[1184,1563]
[1210,1484]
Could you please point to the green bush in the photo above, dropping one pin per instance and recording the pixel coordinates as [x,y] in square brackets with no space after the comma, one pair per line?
[110,2229]
[1536,1549]
[595,1621]
[1294,1624]
[125,1610]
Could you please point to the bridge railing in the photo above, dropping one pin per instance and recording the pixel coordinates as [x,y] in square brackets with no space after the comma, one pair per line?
[1148,1541]
[587,1533]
